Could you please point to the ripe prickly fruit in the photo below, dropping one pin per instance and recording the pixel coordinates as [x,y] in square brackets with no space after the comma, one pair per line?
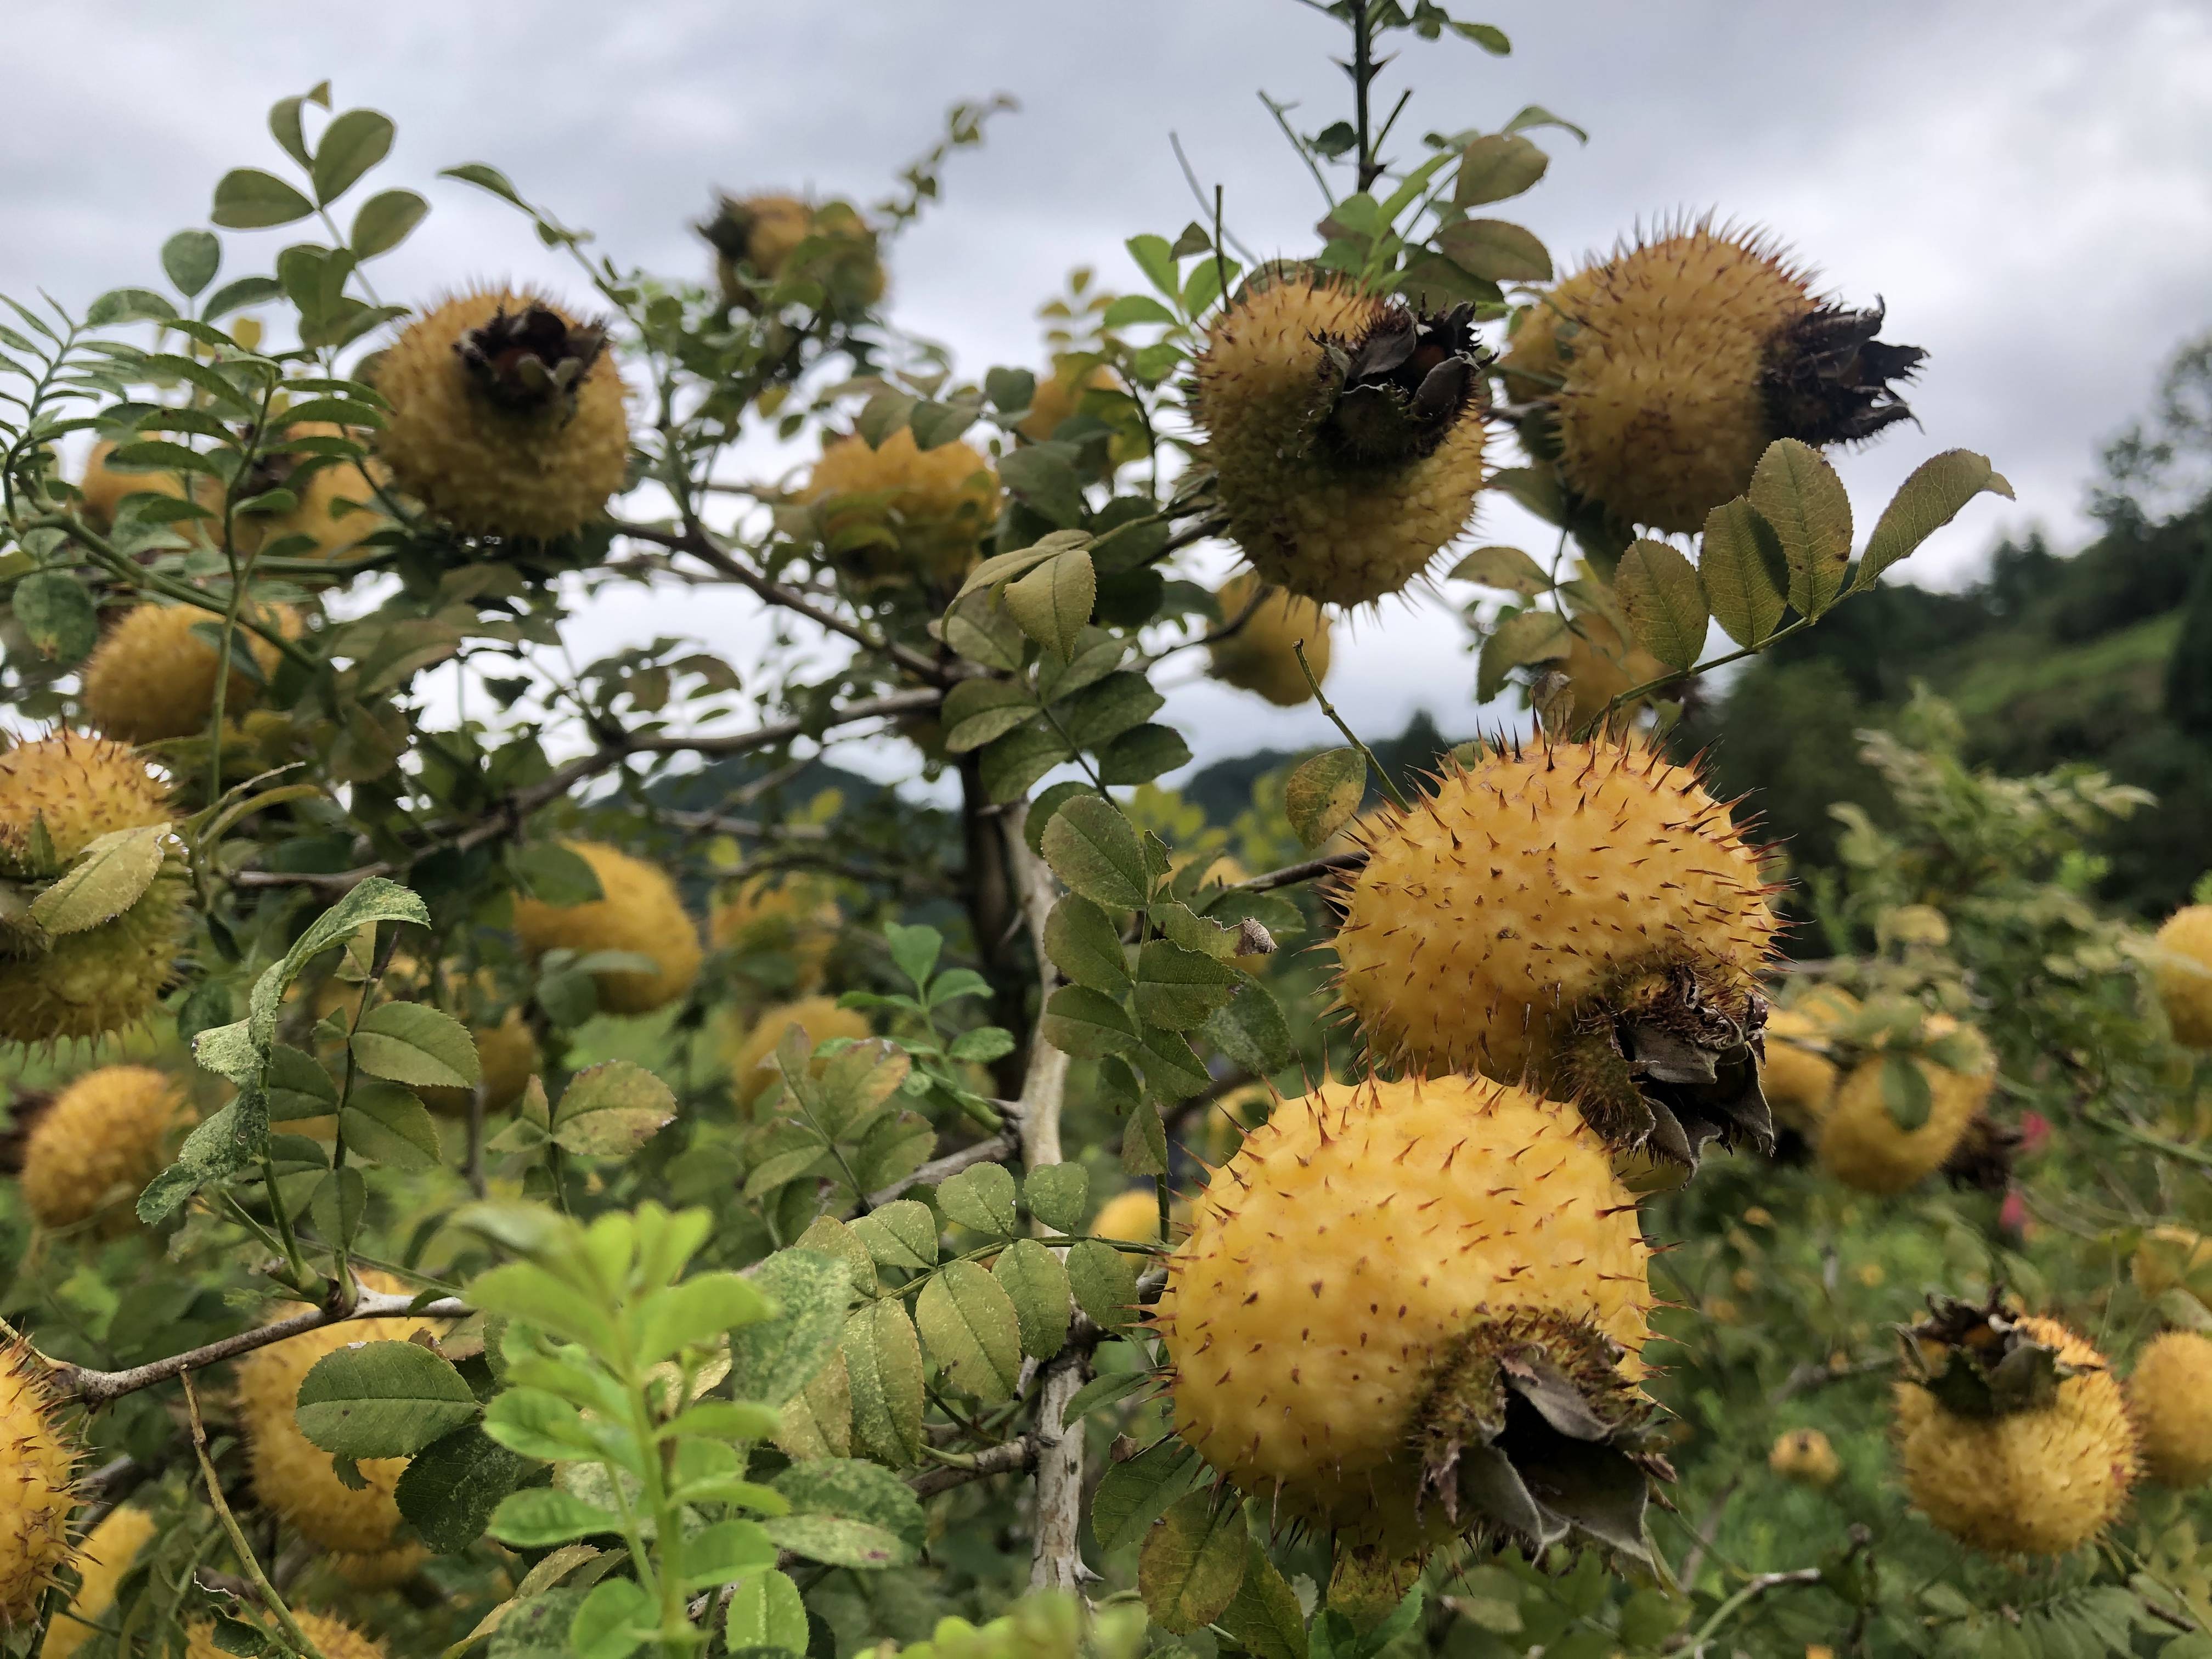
[97,1143]
[2170,1256]
[752,1052]
[2171,1394]
[154,674]
[1134,1215]
[1258,627]
[333,1639]
[508,1053]
[59,794]
[37,1465]
[1663,373]
[898,514]
[506,417]
[1798,1078]
[292,1476]
[792,915]
[1581,915]
[336,498]
[1059,395]
[102,1560]
[105,485]
[2182,970]
[755,236]
[1863,1143]
[2012,1432]
[1345,432]
[1600,665]
[639,912]
[1804,1455]
[1401,1291]
[104,979]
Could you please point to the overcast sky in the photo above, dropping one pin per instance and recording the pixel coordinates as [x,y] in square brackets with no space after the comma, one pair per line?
[2024,183]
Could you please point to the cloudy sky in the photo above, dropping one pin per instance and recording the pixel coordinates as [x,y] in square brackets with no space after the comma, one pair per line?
[2025,184]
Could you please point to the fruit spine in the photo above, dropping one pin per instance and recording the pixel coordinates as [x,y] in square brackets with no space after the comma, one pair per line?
[1346,433]
[37,1475]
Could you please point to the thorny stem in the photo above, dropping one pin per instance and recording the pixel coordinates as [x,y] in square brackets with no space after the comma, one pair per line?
[1389,784]
[1363,76]
[292,1634]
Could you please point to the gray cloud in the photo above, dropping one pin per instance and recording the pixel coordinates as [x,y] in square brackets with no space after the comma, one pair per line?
[2021,184]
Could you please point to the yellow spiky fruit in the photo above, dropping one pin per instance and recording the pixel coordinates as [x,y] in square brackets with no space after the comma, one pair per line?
[385,1569]
[80,787]
[1531,912]
[1667,369]
[2171,1395]
[1798,1077]
[105,485]
[751,1048]
[1133,1215]
[102,1560]
[1861,1144]
[1059,395]
[506,417]
[2041,1476]
[38,1465]
[1346,1257]
[757,236]
[292,1476]
[508,1053]
[153,675]
[1600,665]
[1805,1455]
[639,911]
[2169,1256]
[333,1639]
[104,979]
[1260,626]
[99,1142]
[793,914]
[337,504]
[1346,460]
[900,513]
[2181,969]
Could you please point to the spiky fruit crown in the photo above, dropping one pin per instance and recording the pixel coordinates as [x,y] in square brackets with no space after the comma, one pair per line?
[897,513]
[506,417]
[59,794]
[1345,431]
[1666,370]
[509,1055]
[1600,665]
[153,676]
[639,912]
[1805,1455]
[337,503]
[333,1639]
[2181,969]
[793,914]
[1581,915]
[2012,1432]
[102,1559]
[2170,1393]
[1260,625]
[751,1048]
[99,1142]
[1862,1143]
[1400,1285]
[292,1476]
[105,485]
[105,979]
[37,1471]
[757,235]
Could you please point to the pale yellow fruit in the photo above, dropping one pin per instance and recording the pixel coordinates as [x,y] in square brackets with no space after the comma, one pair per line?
[153,675]
[1804,1455]
[333,1639]
[37,1480]
[1255,653]
[900,513]
[1335,1263]
[1059,396]
[1798,1078]
[751,1048]
[2036,1482]
[104,486]
[99,1142]
[794,914]
[2170,1393]
[107,1554]
[1134,1215]
[2182,970]
[639,911]
[1862,1146]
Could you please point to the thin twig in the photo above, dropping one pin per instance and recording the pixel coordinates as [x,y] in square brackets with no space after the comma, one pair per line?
[1004,1144]
[1389,784]
[246,1558]
[1291,874]
[1019,1453]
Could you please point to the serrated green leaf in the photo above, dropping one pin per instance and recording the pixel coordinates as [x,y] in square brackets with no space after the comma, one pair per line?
[1505,567]
[969,1324]
[1104,1281]
[1264,1615]
[977,711]
[1133,1494]
[883,1367]
[1664,602]
[110,876]
[1036,1284]
[980,1198]
[389,1124]
[1744,572]
[1799,495]
[382,1400]
[1192,1562]
[1528,636]
[1495,166]
[900,1234]
[246,198]
[413,1043]
[1085,945]
[611,1109]
[1496,250]
[1091,847]
[1081,1022]
[1927,500]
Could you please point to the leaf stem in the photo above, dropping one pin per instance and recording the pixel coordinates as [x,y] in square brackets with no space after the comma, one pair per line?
[1389,785]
